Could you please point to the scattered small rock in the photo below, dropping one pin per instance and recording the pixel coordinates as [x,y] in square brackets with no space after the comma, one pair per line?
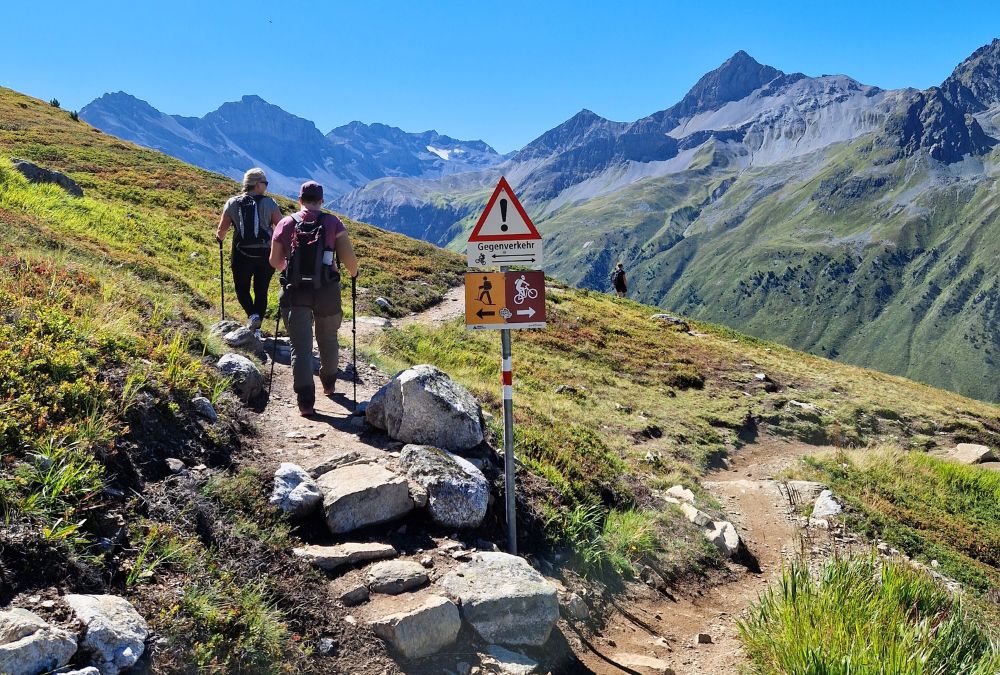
[576,608]
[500,660]
[331,557]
[37,174]
[826,506]
[175,465]
[295,492]
[682,493]
[30,645]
[113,632]
[704,639]
[354,596]
[204,407]
[382,302]
[246,377]
[971,453]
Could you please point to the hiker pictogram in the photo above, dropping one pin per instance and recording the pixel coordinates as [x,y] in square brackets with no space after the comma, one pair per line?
[484,290]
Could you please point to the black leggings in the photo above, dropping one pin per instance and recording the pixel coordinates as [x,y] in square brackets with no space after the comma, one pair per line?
[256,272]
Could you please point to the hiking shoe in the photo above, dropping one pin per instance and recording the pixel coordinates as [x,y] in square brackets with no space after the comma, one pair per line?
[255,322]
[307,411]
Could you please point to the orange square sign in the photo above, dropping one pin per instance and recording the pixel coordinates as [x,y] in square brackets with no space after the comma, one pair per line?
[485,297]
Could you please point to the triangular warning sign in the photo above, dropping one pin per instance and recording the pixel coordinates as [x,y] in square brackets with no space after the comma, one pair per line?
[504,218]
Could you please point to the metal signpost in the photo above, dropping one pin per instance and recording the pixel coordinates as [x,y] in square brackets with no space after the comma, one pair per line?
[505,236]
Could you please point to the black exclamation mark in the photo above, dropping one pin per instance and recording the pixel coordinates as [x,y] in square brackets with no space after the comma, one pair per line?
[503,215]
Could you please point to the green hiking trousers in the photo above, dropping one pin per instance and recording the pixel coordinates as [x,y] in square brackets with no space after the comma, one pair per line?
[301,310]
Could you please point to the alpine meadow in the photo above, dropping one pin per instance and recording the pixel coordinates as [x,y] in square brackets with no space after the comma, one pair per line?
[779,454]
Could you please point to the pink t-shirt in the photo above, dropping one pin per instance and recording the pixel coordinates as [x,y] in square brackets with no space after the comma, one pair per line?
[283,230]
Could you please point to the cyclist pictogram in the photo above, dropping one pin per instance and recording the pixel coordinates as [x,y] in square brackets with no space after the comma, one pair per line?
[524,291]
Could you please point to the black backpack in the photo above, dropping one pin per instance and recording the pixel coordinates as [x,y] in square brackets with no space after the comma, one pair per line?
[305,269]
[252,236]
[617,276]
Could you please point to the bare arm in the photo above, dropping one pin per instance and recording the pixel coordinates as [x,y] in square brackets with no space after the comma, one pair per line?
[346,253]
[225,222]
[277,258]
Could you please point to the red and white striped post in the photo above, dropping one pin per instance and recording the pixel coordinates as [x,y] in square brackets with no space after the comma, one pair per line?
[507,378]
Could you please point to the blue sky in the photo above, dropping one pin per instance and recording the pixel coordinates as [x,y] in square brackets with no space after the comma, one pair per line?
[504,72]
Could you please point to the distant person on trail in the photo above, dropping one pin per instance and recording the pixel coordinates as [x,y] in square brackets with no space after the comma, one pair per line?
[254,214]
[618,281]
[306,248]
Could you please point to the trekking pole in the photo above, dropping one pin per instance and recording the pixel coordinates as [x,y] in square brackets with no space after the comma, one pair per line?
[274,350]
[354,335]
[222,286]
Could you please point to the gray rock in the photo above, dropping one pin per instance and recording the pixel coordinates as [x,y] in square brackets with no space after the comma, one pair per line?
[295,492]
[971,453]
[175,465]
[30,645]
[222,327]
[204,407]
[421,631]
[724,536]
[113,631]
[37,174]
[504,599]
[354,595]
[699,518]
[361,495]
[336,461]
[419,494]
[804,491]
[500,660]
[681,493]
[395,576]
[457,492]
[826,506]
[89,670]
[331,557]
[242,338]
[247,379]
[423,405]
[575,607]
[382,302]
[704,639]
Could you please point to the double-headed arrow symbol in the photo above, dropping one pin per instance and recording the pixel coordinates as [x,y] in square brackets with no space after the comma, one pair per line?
[481,313]
[530,312]
[512,257]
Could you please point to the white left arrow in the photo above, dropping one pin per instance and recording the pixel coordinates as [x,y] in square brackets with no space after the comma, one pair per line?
[530,312]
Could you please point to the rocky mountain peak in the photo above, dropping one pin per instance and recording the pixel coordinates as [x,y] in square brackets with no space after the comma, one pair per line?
[736,78]
[974,85]
[575,131]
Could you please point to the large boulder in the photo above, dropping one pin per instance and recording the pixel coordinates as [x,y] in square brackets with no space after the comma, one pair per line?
[246,376]
[457,492]
[295,492]
[971,453]
[421,631]
[504,599]
[423,405]
[29,645]
[113,632]
[362,494]
[38,174]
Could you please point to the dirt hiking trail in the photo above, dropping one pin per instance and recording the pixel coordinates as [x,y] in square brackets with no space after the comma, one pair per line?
[647,631]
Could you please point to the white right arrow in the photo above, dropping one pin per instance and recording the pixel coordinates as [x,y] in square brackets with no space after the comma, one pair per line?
[530,312]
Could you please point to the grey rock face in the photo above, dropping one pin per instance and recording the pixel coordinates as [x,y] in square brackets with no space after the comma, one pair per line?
[504,599]
[244,338]
[221,328]
[362,494]
[246,377]
[113,631]
[205,408]
[331,557]
[423,405]
[295,492]
[37,174]
[971,453]
[395,576]
[422,631]
[29,645]
[803,491]
[457,492]
[500,660]
[826,506]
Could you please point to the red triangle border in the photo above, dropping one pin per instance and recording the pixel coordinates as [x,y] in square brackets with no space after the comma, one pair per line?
[501,186]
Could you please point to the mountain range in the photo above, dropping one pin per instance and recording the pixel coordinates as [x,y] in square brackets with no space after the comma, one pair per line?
[252,132]
[837,217]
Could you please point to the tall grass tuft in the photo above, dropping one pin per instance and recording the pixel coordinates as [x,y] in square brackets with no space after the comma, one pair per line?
[865,615]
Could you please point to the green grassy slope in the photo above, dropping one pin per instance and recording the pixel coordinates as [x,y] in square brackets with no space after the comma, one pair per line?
[104,302]
[854,252]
